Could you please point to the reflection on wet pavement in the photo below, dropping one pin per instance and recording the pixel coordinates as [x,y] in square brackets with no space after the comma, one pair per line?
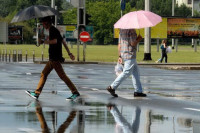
[98,118]
[172,105]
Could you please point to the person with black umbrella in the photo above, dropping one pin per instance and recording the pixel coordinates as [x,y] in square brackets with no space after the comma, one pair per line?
[55,59]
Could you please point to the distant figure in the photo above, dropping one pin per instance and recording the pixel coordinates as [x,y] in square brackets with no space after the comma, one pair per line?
[127,46]
[163,48]
[55,59]
[164,52]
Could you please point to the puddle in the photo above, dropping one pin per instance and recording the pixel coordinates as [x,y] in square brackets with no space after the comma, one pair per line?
[96,118]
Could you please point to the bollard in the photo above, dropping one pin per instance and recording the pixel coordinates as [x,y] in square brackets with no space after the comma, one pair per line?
[14,56]
[26,56]
[2,55]
[19,55]
[42,56]
[33,55]
[5,55]
[9,55]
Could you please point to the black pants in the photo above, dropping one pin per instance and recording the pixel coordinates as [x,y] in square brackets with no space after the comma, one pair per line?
[164,55]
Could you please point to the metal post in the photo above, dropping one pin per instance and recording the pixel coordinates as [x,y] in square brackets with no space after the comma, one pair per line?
[172,15]
[37,34]
[147,39]
[84,46]
[42,56]
[0,54]
[26,56]
[193,40]
[14,56]
[53,3]
[80,21]
[19,55]
[195,45]
[9,55]
[33,55]
[56,18]
[157,45]
[6,55]
[176,43]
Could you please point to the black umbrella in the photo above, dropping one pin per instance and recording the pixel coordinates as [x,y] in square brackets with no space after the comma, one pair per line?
[36,11]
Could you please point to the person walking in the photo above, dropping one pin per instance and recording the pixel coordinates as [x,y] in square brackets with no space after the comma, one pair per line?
[127,46]
[164,51]
[55,59]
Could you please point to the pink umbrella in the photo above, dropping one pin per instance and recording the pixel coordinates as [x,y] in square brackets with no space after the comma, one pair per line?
[138,20]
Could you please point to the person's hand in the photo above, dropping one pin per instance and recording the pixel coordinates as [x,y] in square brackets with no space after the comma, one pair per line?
[40,41]
[139,38]
[120,60]
[72,57]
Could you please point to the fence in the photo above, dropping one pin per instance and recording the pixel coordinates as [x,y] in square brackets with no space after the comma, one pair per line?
[16,56]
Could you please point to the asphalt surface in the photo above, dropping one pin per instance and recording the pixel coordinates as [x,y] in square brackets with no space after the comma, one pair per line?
[171,106]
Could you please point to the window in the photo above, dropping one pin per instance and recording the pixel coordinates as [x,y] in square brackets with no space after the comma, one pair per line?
[189,1]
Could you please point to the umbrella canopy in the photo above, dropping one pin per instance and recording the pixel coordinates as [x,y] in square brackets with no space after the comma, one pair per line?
[137,20]
[35,11]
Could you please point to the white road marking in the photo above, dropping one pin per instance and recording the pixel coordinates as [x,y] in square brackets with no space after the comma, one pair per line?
[192,109]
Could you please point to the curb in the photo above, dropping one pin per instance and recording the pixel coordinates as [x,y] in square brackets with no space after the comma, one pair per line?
[168,66]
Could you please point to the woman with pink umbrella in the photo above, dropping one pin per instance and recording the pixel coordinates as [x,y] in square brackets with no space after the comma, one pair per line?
[128,40]
[127,45]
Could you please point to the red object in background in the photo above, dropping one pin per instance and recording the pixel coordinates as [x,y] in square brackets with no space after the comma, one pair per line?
[84,36]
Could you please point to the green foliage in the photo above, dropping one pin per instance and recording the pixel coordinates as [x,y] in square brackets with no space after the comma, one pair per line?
[196,13]
[103,17]
[70,16]
[162,7]
[104,14]
[6,7]
[183,11]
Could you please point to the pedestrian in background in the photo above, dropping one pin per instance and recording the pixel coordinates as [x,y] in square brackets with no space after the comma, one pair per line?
[55,59]
[164,51]
[127,46]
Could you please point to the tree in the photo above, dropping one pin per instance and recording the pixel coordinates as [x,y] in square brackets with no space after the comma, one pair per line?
[103,17]
[70,16]
[6,7]
[183,11]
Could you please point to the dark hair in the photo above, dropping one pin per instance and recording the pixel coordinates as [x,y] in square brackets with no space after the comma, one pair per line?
[46,19]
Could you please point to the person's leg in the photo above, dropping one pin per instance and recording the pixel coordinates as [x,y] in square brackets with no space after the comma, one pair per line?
[68,121]
[162,58]
[136,78]
[41,119]
[59,69]
[47,69]
[165,58]
[128,66]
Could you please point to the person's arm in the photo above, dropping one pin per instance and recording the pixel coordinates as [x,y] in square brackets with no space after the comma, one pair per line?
[54,41]
[138,39]
[68,51]
[119,53]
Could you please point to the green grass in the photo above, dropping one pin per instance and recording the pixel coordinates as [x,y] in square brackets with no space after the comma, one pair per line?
[108,53]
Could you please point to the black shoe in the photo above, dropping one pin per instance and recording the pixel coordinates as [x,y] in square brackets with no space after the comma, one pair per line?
[112,91]
[137,94]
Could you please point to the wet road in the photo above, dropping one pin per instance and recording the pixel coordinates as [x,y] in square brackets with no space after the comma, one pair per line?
[172,105]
